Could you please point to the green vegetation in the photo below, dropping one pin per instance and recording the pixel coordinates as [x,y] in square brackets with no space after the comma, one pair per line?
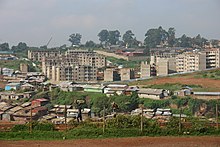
[173,86]
[35,125]
[15,64]
[120,126]
[97,101]
[125,63]
[213,74]
[189,105]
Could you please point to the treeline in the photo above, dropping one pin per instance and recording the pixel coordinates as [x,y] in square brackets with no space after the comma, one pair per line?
[154,37]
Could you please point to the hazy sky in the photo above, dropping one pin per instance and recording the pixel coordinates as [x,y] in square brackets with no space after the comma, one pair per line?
[35,21]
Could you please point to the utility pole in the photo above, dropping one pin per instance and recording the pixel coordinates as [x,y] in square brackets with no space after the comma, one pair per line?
[141,119]
[30,123]
[103,129]
[65,118]
[216,106]
[180,120]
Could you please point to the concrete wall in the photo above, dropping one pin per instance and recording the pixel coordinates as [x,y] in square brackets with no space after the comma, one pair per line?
[145,70]
[162,67]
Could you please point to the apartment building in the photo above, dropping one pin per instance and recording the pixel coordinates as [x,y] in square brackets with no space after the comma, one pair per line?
[88,57]
[159,66]
[190,61]
[111,74]
[212,58]
[126,74]
[79,73]
[147,70]
[74,65]
[118,74]
[38,55]
[24,68]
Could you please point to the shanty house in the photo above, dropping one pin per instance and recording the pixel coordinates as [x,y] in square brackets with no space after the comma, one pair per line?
[156,94]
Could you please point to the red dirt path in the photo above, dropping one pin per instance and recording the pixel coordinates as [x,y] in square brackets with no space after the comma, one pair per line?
[122,142]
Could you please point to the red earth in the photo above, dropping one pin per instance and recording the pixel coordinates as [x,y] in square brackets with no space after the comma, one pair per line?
[205,141]
[188,80]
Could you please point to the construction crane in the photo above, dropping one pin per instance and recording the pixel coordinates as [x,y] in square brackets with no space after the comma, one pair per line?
[45,46]
[49,41]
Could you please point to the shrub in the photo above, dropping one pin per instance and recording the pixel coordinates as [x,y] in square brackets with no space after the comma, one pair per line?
[43,127]
[20,127]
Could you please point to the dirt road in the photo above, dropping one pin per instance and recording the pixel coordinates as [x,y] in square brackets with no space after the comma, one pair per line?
[122,142]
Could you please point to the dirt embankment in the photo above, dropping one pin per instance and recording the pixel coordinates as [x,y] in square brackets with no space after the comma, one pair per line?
[122,142]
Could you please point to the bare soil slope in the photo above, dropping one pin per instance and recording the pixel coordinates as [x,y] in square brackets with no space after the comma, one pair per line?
[212,84]
[122,142]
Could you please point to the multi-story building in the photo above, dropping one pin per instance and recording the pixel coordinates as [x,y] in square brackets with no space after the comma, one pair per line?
[159,66]
[147,70]
[24,68]
[191,61]
[126,74]
[88,57]
[80,66]
[118,74]
[212,58]
[111,74]
[185,62]
[38,55]
[80,73]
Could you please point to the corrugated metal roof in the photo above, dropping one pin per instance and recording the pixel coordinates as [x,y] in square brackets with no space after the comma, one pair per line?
[207,93]
[150,91]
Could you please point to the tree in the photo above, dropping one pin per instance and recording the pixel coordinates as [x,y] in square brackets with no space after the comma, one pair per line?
[127,103]
[90,44]
[199,41]
[103,36]
[184,41]
[215,43]
[4,47]
[155,37]
[129,39]
[171,37]
[98,103]
[20,47]
[113,37]
[75,39]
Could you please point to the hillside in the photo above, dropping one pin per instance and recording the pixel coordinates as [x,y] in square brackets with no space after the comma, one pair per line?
[203,81]
[15,64]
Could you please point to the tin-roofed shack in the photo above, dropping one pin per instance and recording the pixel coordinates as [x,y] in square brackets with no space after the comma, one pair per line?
[206,95]
[39,102]
[156,94]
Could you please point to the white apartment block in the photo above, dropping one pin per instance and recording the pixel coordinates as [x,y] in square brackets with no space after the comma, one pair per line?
[190,61]
[75,65]
[212,58]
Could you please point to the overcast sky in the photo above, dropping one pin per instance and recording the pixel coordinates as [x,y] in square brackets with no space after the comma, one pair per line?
[35,21]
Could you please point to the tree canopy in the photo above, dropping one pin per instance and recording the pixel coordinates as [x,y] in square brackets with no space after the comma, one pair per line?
[20,47]
[4,47]
[129,39]
[75,39]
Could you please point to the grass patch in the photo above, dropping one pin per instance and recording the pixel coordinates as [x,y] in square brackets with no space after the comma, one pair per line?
[15,64]
[212,74]
[125,63]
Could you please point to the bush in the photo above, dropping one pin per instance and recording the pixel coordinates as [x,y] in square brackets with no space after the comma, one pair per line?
[18,128]
[43,127]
